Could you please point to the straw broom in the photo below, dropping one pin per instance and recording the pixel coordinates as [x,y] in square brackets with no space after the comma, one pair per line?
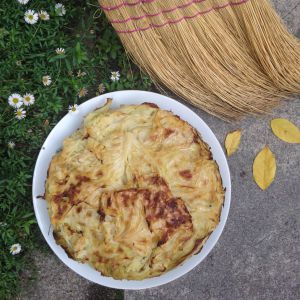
[230,58]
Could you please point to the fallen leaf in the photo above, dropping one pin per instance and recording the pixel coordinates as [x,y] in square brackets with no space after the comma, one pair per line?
[232,141]
[286,130]
[264,168]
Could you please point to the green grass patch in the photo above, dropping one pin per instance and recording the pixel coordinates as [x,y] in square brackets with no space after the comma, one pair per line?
[28,53]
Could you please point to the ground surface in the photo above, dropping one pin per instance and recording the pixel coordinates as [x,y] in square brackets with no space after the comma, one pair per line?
[257,256]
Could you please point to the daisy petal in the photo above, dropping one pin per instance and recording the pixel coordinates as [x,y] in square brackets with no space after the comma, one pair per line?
[31,17]
[28,99]
[60,9]
[15,100]
[73,109]
[15,249]
[20,113]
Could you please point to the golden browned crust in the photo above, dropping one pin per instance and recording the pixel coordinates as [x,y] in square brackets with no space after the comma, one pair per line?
[134,192]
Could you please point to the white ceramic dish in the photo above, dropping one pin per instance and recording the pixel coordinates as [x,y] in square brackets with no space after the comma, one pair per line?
[67,126]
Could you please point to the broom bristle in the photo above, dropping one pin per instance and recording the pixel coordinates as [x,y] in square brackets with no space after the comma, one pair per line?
[228,58]
[273,46]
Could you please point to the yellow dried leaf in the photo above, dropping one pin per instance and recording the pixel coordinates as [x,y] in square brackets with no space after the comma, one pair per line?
[264,168]
[285,130]
[232,141]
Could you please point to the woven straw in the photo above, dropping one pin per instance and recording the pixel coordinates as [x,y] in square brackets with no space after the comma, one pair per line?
[230,58]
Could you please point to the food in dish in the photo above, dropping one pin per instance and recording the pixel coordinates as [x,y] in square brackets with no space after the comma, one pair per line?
[133,192]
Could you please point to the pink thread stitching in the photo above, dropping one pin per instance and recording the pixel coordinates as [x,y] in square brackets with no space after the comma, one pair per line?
[183,18]
[158,13]
[125,4]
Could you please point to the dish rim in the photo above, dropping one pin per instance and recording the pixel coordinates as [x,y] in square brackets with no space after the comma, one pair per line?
[184,113]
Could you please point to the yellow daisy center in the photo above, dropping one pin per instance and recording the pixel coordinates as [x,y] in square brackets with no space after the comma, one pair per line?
[14,248]
[73,109]
[30,17]
[27,99]
[15,100]
[19,113]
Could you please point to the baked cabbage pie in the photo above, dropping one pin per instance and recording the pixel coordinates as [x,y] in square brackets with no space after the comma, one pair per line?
[133,192]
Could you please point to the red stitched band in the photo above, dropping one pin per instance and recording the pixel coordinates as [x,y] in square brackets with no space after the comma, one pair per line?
[158,13]
[125,4]
[182,18]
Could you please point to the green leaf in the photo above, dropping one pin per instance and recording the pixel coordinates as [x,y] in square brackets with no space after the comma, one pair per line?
[57,57]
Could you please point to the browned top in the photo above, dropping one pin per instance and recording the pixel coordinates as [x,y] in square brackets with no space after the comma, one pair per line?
[133,192]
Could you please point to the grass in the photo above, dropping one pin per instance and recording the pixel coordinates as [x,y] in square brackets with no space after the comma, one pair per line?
[27,53]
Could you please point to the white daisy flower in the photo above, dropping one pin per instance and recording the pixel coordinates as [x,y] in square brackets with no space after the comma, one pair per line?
[60,9]
[11,145]
[15,249]
[73,109]
[60,51]
[115,76]
[28,99]
[20,113]
[31,17]
[19,63]
[15,100]
[44,15]
[92,31]
[3,224]
[46,80]
[82,92]
[23,1]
